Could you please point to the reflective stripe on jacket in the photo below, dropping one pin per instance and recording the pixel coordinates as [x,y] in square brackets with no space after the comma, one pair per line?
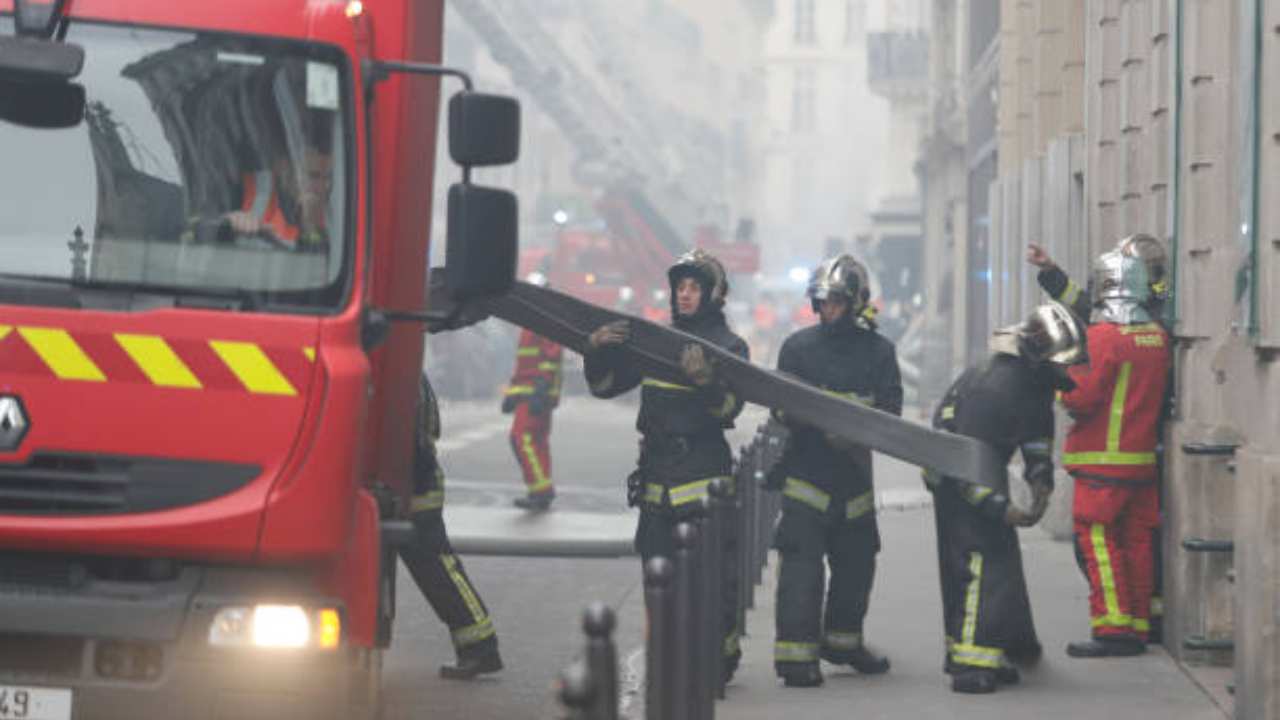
[538,362]
[1117,401]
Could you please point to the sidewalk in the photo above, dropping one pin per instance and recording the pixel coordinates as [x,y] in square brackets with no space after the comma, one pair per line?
[905,622]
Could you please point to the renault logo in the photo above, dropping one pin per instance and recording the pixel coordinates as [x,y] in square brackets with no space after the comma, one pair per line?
[13,423]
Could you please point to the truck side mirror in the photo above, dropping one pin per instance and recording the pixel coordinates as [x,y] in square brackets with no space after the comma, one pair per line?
[480,247]
[46,105]
[484,129]
[40,59]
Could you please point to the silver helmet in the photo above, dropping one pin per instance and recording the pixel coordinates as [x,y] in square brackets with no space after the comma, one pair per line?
[1152,254]
[844,276]
[1052,334]
[1121,288]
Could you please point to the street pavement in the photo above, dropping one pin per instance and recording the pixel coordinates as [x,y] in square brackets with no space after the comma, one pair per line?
[537,601]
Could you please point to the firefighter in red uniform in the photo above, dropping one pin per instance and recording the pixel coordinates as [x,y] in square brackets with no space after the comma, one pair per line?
[534,391]
[1054,281]
[1111,453]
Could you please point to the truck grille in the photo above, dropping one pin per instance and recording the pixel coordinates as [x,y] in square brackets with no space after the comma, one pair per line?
[40,656]
[75,484]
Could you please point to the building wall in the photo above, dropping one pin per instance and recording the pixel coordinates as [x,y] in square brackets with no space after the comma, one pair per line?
[1163,116]
[838,142]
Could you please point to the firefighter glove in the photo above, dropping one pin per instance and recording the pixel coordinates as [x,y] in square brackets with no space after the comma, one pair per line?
[509,404]
[614,333]
[696,365]
[635,488]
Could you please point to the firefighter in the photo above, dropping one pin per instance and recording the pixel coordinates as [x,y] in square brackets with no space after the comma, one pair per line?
[1006,401]
[435,568]
[682,425]
[534,391]
[828,506]
[1059,286]
[1111,452]
[1054,281]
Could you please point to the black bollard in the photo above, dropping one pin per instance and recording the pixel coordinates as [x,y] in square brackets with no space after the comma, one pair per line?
[660,648]
[684,647]
[602,660]
[725,598]
[577,691]
[708,613]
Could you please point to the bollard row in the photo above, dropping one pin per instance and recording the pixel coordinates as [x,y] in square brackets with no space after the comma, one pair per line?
[696,600]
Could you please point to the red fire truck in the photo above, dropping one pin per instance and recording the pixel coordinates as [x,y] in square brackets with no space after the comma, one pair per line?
[213,225]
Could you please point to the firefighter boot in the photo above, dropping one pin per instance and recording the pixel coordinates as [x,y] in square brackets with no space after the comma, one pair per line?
[537,502]
[1122,646]
[974,681]
[470,666]
[860,659]
[801,675]
[1006,674]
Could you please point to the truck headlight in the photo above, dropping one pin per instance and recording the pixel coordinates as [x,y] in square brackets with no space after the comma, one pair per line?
[276,626]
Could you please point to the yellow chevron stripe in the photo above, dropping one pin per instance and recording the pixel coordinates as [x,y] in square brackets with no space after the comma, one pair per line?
[160,363]
[5,330]
[310,352]
[253,367]
[61,353]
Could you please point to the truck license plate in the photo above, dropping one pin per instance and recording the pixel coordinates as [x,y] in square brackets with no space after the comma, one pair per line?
[34,703]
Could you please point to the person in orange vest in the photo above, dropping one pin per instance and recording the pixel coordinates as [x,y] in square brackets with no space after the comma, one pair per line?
[1111,453]
[285,204]
[534,391]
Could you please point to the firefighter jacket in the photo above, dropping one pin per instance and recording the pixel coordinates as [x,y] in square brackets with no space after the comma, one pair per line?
[537,376]
[428,476]
[1117,403]
[852,361]
[1008,403]
[682,426]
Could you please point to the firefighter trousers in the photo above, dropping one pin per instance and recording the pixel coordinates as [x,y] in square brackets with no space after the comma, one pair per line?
[654,537]
[803,539]
[439,575]
[1114,524]
[530,441]
[985,608]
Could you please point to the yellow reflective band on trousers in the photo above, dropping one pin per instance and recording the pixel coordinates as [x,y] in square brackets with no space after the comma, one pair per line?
[433,500]
[860,505]
[842,641]
[966,652]
[1141,625]
[1115,425]
[795,652]
[1107,577]
[472,634]
[540,479]
[654,383]
[450,563]
[806,493]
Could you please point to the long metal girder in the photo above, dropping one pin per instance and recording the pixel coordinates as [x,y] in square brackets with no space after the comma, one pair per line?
[655,350]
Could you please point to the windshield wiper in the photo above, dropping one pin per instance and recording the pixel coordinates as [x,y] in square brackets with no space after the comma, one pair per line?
[194,297]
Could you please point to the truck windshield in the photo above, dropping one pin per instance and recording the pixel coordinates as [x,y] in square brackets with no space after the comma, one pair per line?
[205,163]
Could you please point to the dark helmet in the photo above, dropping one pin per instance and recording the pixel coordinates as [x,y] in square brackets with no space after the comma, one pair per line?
[841,275]
[1051,334]
[703,267]
[1152,254]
